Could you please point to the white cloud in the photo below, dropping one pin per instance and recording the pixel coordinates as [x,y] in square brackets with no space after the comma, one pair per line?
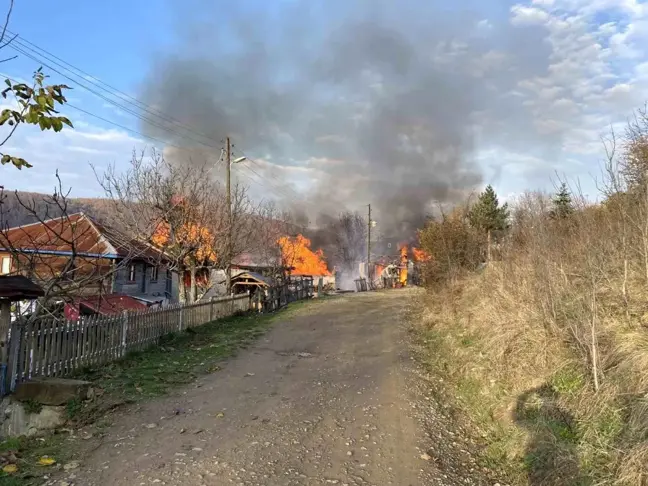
[522,16]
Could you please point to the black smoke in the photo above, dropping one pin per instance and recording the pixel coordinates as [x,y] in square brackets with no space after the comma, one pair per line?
[378,99]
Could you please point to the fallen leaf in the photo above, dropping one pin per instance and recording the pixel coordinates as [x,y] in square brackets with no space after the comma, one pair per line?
[10,468]
[220,415]
[46,461]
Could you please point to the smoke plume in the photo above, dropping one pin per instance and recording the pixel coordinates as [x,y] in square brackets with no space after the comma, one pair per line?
[344,102]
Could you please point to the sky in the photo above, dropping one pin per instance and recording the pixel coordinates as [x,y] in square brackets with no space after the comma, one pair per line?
[538,83]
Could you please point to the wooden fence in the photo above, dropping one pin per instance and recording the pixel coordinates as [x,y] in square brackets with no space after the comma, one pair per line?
[57,348]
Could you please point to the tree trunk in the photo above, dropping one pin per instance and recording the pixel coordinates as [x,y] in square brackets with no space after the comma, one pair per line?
[488,246]
[182,289]
[594,342]
[193,292]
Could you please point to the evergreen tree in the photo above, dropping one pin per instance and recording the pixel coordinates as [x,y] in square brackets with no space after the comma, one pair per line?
[562,203]
[487,214]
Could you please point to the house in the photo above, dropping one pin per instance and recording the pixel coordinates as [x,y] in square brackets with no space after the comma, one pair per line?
[88,258]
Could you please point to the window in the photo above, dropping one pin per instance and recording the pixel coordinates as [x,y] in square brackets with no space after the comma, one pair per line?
[6,265]
[154,274]
[131,273]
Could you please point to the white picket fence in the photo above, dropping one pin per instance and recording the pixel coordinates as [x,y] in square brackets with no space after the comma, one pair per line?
[56,348]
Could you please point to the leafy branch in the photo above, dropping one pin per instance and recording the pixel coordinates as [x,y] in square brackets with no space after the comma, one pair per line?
[36,105]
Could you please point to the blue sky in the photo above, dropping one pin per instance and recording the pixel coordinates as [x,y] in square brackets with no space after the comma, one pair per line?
[561,71]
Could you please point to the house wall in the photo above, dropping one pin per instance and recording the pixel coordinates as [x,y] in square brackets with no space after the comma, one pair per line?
[143,271]
[45,268]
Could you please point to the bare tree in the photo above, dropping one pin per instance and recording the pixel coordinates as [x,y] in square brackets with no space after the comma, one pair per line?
[182,210]
[57,250]
[350,231]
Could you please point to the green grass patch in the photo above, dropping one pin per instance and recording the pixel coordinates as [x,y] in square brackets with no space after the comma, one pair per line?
[568,381]
[181,357]
[25,454]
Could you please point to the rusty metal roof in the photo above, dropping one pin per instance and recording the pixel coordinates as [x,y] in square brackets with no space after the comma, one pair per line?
[76,233]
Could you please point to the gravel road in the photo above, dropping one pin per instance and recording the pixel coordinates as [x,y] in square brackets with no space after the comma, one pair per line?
[328,396]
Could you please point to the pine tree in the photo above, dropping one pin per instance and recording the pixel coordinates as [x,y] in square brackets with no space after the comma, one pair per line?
[562,203]
[487,215]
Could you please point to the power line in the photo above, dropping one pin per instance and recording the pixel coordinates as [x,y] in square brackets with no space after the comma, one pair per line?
[123,106]
[36,53]
[119,126]
[24,43]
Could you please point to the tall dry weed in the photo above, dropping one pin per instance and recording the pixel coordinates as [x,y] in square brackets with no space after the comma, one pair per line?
[559,322]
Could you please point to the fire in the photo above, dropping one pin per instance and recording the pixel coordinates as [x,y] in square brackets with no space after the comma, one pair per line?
[403,261]
[190,235]
[296,252]
[421,255]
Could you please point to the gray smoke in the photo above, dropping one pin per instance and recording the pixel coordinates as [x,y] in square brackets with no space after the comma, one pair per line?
[361,93]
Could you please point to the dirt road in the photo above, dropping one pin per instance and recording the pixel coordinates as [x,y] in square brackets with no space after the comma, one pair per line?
[324,398]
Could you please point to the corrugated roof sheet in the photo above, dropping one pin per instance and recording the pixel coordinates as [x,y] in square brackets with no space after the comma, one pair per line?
[253,276]
[17,287]
[80,233]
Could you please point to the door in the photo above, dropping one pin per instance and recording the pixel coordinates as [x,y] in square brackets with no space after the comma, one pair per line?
[144,278]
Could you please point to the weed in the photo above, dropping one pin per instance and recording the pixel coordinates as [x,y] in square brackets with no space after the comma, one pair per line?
[73,407]
[32,406]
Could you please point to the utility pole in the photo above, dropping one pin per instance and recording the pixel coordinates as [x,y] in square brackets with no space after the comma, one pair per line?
[228,192]
[369,242]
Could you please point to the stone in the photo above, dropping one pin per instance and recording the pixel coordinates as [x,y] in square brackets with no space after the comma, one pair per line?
[52,391]
[17,422]
[71,465]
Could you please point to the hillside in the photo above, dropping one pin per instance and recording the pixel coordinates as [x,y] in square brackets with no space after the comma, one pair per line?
[14,213]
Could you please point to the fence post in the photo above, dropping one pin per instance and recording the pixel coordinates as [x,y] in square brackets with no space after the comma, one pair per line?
[211,308]
[320,286]
[14,351]
[124,332]
[181,317]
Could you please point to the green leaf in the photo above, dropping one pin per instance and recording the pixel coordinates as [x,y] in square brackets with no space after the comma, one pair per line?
[57,124]
[20,162]
[6,114]
[5,159]
[45,123]
[66,121]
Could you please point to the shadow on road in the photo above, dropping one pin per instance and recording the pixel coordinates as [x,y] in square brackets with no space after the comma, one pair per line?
[550,457]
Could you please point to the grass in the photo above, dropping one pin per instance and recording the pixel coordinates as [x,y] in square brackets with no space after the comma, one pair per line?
[527,390]
[527,430]
[180,357]
[178,360]
[27,452]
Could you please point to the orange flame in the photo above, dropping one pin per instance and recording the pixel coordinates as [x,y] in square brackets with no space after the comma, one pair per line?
[403,271]
[421,255]
[190,235]
[296,252]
